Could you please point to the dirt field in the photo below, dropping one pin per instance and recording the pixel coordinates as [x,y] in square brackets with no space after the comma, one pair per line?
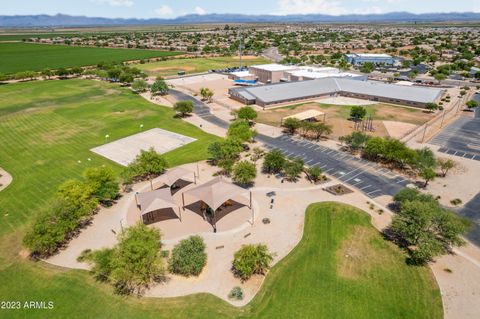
[337,116]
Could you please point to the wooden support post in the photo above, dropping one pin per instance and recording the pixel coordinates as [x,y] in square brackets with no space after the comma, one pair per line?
[250,200]
[194,178]
[180,213]
[253,216]
[151,184]
[183,200]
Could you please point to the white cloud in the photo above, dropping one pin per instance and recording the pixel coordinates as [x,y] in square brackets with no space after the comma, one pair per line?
[310,6]
[164,11]
[200,10]
[117,3]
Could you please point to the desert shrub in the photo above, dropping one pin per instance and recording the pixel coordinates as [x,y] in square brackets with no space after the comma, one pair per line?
[250,260]
[133,264]
[273,162]
[244,172]
[236,293]
[188,257]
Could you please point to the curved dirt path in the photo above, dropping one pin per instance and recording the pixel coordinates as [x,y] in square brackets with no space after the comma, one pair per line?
[5,179]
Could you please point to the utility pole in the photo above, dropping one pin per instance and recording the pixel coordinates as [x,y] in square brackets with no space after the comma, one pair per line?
[240,46]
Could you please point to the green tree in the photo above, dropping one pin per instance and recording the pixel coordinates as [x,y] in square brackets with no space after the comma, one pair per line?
[319,129]
[426,229]
[445,165]
[247,113]
[136,261]
[440,77]
[292,125]
[358,112]
[251,260]
[147,165]
[244,172]
[103,182]
[159,87]
[139,85]
[424,158]
[355,141]
[188,257]
[314,174]
[472,104]
[428,175]
[240,130]
[206,94]
[78,193]
[293,168]
[367,67]
[226,149]
[114,74]
[273,162]
[47,74]
[431,106]
[183,107]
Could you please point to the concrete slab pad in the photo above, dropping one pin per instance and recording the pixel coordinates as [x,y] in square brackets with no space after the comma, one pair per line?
[124,151]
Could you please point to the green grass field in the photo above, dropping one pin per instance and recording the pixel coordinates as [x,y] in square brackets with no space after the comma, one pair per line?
[197,65]
[46,127]
[15,57]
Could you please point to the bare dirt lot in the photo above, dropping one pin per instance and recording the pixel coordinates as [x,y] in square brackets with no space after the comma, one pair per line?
[338,116]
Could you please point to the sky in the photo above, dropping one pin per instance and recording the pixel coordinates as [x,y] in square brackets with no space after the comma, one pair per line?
[174,8]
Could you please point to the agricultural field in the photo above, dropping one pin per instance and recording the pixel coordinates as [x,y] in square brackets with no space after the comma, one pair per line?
[37,57]
[196,65]
[387,118]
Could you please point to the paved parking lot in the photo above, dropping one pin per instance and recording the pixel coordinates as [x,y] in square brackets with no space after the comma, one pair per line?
[366,176]
[461,138]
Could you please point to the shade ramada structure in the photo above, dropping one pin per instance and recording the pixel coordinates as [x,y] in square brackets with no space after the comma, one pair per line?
[155,201]
[172,176]
[215,192]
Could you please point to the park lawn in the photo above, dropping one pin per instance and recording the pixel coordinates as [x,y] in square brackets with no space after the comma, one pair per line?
[196,65]
[46,127]
[318,280]
[15,57]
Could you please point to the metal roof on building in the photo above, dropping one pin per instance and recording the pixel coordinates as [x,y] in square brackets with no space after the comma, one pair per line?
[312,88]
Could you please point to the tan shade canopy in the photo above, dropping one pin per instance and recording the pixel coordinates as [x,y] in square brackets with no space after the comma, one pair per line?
[155,200]
[171,176]
[302,116]
[216,192]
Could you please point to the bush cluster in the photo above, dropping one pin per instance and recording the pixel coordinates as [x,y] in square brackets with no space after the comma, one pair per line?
[72,207]
[133,264]
[188,257]
[251,260]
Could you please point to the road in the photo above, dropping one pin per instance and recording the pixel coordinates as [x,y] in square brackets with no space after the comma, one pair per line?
[273,54]
[366,176]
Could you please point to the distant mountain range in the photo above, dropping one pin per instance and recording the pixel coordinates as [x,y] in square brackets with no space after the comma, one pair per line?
[60,20]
